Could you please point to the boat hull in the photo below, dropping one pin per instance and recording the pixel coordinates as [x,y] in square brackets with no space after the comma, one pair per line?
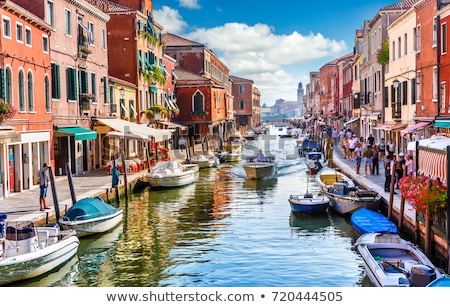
[346,204]
[317,204]
[33,264]
[206,161]
[95,225]
[391,261]
[171,181]
[258,170]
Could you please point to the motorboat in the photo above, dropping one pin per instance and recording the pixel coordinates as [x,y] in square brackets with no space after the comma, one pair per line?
[301,138]
[28,251]
[91,215]
[315,161]
[168,174]
[365,220]
[391,261]
[257,169]
[444,281]
[250,136]
[205,160]
[309,203]
[308,145]
[345,196]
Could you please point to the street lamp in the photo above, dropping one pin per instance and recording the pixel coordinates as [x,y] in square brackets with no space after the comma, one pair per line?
[122,92]
[395,83]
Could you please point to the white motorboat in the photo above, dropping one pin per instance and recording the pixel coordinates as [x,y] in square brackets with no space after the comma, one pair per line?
[91,215]
[27,251]
[255,169]
[168,174]
[315,161]
[391,261]
[206,160]
[300,138]
[345,196]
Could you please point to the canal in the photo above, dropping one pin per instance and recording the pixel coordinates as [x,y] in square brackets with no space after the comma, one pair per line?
[222,231]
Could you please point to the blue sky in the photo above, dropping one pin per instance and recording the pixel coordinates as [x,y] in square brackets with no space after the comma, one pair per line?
[276,44]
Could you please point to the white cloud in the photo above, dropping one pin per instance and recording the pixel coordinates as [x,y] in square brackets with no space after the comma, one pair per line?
[170,19]
[190,4]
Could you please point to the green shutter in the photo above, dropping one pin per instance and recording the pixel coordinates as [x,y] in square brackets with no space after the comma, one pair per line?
[74,83]
[105,87]
[2,85]
[58,81]
[94,86]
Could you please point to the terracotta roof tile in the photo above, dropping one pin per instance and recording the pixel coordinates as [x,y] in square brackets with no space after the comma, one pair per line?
[108,6]
[175,40]
[184,75]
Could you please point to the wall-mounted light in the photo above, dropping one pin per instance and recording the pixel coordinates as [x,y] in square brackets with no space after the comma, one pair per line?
[395,83]
[122,92]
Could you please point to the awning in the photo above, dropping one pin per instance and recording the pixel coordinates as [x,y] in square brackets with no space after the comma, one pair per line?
[80,133]
[442,123]
[374,116]
[414,128]
[131,136]
[133,128]
[9,136]
[389,127]
[381,127]
[171,125]
[352,120]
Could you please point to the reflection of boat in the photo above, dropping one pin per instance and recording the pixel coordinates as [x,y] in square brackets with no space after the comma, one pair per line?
[206,160]
[27,251]
[365,220]
[308,222]
[391,261]
[256,169]
[344,195]
[100,242]
[91,215]
[263,184]
[167,174]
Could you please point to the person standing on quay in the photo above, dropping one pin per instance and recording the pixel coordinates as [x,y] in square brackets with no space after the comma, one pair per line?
[387,173]
[43,186]
[382,149]
[368,155]
[409,164]
[375,160]
[358,155]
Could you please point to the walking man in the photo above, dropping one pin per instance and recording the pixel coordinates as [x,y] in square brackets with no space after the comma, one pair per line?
[367,155]
[43,186]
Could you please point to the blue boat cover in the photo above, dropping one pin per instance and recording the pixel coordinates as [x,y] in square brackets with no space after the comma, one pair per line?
[440,282]
[365,220]
[87,208]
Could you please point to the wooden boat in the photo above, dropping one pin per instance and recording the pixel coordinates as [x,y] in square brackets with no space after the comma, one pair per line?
[315,161]
[255,169]
[308,145]
[309,203]
[91,215]
[205,160]
[365,220]
[391,261]
[345,196]
[27,251]
[169,174]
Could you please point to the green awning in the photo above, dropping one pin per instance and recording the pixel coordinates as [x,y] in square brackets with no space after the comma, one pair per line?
[153,89]
[80,133]
[442,123]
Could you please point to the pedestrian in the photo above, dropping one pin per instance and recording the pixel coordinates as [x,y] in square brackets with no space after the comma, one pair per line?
[345,147]
[352,146]
[409,164]
[387,173]
[182,143]
[391,147]
[358,157]
[43,186]
[371,140]
[375,160]
[382,149]
[400,166]
[367,155]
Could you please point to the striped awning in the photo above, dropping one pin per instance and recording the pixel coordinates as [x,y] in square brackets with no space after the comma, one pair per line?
[433,165]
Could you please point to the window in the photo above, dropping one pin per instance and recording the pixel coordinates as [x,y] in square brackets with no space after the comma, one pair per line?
[19,32]
[103,37]
[413,91]
[91,32]
[6,27]
[198,102]
[21,84]
[434,43]
[30,84]
[94,86]
[443,87]
[399,47]
[56,81]
[68,16]
[418,87]
[47,94]
[28,39]
[84,82]
[435,84]
[72,93]
[404,93]
[50,18]
[444,38]
[45,43]
[241,105]
[418,29]
[393,51]
[241,89]
[7,94]
[405,44]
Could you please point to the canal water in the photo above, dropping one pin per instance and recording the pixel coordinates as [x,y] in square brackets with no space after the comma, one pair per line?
[222,231]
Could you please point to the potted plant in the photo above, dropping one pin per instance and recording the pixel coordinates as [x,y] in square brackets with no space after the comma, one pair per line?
[89,96]
[7,111]
[425,199]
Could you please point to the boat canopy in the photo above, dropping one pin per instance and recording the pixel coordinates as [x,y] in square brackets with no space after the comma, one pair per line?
[90,207]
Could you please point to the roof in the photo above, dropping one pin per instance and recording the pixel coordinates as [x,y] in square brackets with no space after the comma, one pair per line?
[172,40]
[184,75]
[109,7]
[402,5]
[239,79]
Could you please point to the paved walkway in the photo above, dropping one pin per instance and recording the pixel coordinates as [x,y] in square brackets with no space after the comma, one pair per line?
[25,205]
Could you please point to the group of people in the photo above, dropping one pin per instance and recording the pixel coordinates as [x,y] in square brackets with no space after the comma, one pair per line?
[396,168]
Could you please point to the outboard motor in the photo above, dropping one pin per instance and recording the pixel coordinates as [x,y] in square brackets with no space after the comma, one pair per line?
[422,275]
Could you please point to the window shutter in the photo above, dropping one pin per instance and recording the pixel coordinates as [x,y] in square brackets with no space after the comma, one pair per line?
[105,88]
[2,80]
[58,81]
[74,83]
